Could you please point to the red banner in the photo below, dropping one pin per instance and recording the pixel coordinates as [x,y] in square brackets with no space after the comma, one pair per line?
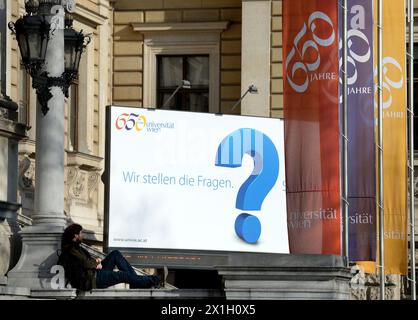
[310,54]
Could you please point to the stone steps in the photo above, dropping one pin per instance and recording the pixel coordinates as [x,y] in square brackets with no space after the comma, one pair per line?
[117,294]
[14,293]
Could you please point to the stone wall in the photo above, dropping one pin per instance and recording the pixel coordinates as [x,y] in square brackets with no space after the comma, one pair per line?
[276,60]
[128,48]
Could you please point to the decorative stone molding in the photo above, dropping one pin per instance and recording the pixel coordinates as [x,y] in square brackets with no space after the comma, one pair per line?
[358,289]
[81,184]
[373,293]
[27,174]
[3,113]
[7,106]
[26,183]
[9,128]
[367,286]
[93,18]
[82,174]
[181,26]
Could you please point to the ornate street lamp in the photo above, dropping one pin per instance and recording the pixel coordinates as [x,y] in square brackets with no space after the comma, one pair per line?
[74,45]
[33,34]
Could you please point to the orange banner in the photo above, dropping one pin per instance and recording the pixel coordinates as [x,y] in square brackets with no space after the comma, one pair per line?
[394,140]
[310,53]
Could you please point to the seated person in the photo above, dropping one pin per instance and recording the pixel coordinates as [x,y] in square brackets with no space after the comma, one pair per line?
[86,273]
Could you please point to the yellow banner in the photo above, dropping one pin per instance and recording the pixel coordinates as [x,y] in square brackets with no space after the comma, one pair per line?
[394,139]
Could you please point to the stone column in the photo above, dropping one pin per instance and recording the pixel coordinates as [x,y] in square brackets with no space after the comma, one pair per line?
[41,240]
[49,180]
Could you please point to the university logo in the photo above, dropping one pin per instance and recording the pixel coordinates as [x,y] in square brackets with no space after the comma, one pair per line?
[126,121]
[313,42]
[355,36]
[393,79]
[359,53]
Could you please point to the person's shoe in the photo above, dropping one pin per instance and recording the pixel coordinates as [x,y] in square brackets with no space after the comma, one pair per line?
[162,274]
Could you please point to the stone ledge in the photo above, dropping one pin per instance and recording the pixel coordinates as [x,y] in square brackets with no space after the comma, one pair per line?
[281,277]
[282,294]
[151,294]
[12,130]
[181,26]
[286,260]
[3,281]
[300,274]
[61,294]
[104,294]
[7,293]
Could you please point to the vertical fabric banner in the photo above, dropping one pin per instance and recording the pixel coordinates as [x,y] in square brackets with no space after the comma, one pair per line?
[310,53]
[394,140]
[360,130]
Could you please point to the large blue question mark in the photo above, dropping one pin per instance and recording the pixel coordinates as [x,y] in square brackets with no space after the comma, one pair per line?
[255,189]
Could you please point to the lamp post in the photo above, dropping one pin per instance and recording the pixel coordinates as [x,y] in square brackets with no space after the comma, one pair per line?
[51,52]
[185,84]
[251,89]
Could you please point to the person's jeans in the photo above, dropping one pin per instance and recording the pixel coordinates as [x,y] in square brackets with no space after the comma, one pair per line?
[106,277]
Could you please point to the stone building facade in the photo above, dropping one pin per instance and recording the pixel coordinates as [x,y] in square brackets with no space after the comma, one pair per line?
[119,68]
[241,38]
[84,119]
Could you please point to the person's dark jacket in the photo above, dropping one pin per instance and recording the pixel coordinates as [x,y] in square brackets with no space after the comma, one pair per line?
[79,266]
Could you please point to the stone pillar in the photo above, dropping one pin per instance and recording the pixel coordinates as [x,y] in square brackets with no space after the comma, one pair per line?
[255,59]
[49,179]
[41,240]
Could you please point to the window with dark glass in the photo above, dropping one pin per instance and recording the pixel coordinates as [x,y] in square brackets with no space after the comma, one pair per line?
[171,70]
[73,115]
[24,96]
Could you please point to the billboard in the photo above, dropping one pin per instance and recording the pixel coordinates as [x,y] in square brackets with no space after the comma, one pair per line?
[195,181]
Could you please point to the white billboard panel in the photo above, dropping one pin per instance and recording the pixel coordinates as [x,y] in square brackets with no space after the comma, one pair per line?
[184,180]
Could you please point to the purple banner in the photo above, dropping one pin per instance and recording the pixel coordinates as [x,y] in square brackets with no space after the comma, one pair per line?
[361,131]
